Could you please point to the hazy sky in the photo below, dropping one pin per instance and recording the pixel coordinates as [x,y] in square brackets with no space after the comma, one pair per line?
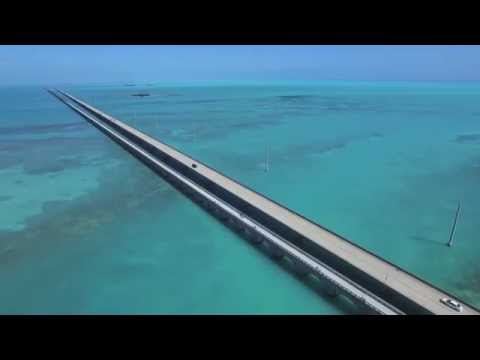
[86,64]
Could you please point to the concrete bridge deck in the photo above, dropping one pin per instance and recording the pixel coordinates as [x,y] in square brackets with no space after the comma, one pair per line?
[388,288]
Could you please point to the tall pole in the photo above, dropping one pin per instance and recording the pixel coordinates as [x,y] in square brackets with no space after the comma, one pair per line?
[454,226]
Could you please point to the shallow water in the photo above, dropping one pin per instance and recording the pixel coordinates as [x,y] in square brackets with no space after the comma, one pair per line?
[86,228]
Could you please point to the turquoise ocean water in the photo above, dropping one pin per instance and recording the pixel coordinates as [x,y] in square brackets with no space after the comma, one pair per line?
[86,228]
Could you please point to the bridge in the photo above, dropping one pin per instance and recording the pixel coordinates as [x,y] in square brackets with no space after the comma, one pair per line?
[348,269]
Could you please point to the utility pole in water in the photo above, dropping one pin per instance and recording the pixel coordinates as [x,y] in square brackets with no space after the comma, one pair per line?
[454,226]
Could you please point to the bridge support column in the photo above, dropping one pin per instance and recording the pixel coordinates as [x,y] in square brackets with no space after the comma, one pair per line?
[217,211]
[223,215]
[252,235]
[300,268]
[196,197]
[256,238]
[274,251]
[208,205]
[182,188]
[232,221]
[204,202]
[332,290]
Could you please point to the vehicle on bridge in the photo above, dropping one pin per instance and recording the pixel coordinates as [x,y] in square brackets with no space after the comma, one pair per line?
[452,304]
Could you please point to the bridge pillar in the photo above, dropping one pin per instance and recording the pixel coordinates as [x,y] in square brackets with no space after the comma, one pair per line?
[180,186]
[274,251]
[231,220]
[222,215]
[332,290]
[252,235]
[196,196]
[208,205]
[300,268]
[256,238]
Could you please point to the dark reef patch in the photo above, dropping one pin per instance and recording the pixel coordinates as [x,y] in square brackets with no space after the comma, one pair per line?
[37,129]
[203,101]
[52,165]
[327,103]
[295,98]
[28,144]
[253,125]
[45,169]
[7,161]
[216,131]
[47,153]
[140,95]
[314,148]
[156,114]
[472,138]
[326,146]
[5,197]
[69,220]
[253,161]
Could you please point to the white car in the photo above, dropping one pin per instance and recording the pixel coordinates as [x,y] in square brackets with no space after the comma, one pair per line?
[455,305]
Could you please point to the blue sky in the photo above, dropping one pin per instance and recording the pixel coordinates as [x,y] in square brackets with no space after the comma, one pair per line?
[45,65]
